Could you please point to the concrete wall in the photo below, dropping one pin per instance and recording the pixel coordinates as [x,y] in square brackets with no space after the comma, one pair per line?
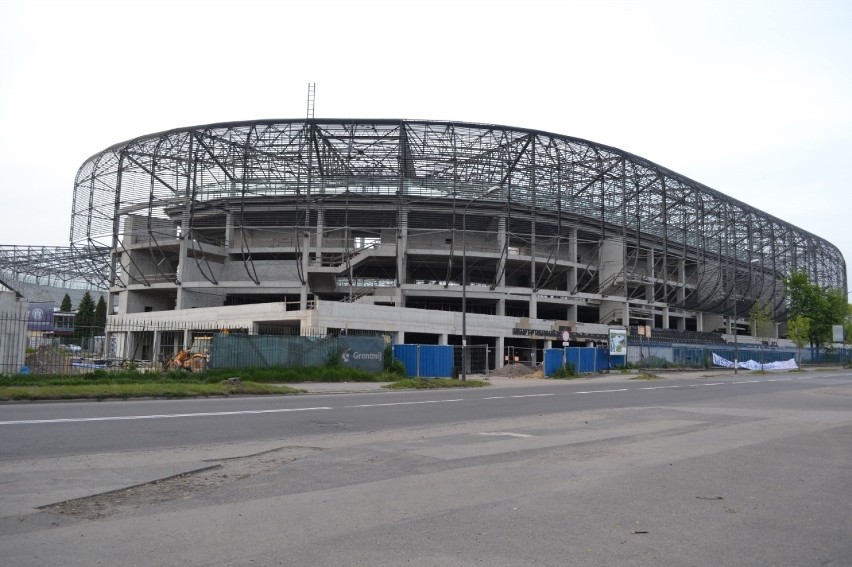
[138,301]
[268,271]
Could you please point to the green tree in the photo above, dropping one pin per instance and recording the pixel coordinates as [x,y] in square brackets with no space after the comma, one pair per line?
[761,321]
[799,331]
[84,321]
[65,306]
[100,315]
[823,306]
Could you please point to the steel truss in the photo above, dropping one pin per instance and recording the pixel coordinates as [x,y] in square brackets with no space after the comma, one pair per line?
[191,192]
[59,266]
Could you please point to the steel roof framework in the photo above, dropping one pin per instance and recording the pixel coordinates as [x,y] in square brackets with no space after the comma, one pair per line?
[190,173]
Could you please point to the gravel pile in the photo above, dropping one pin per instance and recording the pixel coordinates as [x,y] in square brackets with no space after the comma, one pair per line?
[515,370]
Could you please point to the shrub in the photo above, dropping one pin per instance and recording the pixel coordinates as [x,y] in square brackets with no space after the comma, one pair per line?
[567,371]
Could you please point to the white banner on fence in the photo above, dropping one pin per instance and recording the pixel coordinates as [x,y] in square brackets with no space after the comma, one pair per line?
[753,365]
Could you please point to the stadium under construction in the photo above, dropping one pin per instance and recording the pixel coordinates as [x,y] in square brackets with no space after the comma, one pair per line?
[427,232]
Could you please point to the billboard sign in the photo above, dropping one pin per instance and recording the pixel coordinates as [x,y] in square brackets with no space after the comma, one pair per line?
[40,316]
[618,342]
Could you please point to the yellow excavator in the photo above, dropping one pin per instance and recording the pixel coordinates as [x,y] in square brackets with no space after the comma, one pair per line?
[193,359]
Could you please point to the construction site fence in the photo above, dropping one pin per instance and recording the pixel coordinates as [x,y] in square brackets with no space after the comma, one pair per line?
[444,361]
[37,347]
[589,359]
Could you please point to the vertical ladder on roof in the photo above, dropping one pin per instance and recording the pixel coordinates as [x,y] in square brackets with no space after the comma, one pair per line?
[312,97]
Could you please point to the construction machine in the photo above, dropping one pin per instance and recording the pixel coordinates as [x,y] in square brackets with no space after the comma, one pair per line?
[193,359]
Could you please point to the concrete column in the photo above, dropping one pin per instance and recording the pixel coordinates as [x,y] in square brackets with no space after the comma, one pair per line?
[443,339]
[572,257]
[402,248]
[399,338]
[155,354]
[666,317]
[499,347]
[699,321]
[611,263]
[229,229]
[533,305]
[187,338]
[306,253]
[501,307]
[501,245]
[571,313]
[681,280]
[649,288]
[180,301]
[320,231]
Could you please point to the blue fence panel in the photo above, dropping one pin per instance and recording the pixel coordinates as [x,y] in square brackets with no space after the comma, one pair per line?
[588,360]
[436,361]
[584,359]
[553,358]
[572,356]
[425,361]
[604,361]
[407,354]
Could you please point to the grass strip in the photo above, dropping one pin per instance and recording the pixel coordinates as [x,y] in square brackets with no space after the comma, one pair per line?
[139,390]
[276,375]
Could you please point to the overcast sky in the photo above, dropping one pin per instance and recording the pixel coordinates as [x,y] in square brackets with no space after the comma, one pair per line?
[752,98]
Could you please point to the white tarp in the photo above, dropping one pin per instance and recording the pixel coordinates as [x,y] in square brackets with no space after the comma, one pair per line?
[752,365]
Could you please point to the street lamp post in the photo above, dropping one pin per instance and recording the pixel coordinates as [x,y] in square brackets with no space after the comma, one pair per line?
[736,353]
[464,279]
[736,299]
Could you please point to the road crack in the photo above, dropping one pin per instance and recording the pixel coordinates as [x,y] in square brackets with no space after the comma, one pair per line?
[178,487]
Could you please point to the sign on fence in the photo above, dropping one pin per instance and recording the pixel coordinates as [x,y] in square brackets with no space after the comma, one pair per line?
[618,342]
[366,353]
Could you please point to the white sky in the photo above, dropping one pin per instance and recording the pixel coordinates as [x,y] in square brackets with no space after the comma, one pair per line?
[750,97]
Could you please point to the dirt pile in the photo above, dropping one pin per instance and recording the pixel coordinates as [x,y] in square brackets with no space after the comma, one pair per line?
[515,370]
[48,360]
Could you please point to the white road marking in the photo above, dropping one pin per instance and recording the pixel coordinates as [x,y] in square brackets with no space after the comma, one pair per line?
[534,396]
[256,412]
[404,403]
[506,434]
[159,416]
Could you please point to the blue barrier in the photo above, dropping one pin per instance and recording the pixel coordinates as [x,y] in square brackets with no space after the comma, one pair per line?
[584,359]
[425,361]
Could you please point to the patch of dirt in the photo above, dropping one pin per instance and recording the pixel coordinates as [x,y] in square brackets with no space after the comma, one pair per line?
[48,360]
[515,370]
[180,486]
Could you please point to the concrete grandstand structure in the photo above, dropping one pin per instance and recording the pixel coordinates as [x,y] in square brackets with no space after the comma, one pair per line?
[428,231]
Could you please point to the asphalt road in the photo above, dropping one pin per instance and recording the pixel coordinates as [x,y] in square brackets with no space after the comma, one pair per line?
[703,470]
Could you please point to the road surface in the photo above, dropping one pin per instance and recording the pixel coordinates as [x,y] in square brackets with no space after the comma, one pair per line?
[710,469]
